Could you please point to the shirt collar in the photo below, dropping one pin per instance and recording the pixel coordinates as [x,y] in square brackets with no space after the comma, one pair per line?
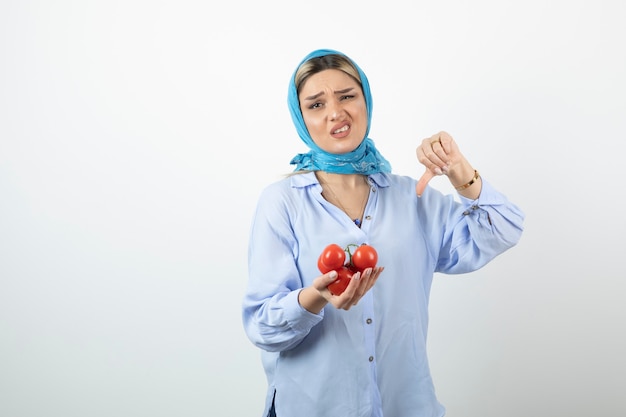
[381,179]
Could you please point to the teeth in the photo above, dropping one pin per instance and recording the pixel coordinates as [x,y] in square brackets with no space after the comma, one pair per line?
[343,129]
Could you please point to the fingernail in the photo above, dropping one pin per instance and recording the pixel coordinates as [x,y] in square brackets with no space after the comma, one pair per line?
[438,171]
[333,274]
[445,169]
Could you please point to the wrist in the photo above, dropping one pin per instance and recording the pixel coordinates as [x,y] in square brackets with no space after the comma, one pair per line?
[311,300]
[469,183]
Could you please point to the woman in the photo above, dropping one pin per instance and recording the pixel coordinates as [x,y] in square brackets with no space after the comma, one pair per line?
[363,352]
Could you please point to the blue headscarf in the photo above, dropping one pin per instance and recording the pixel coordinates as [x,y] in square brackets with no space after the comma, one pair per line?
[365,159]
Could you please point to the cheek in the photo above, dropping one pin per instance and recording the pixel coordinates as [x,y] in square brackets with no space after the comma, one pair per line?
[313,124]
[362,110]
[361,114]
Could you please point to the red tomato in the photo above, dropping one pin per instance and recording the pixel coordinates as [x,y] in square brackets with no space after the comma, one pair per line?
[365,256]
[323,268]
[333,257]
[338,286]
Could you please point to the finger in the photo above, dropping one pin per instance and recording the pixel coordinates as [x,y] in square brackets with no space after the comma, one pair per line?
[365,282]
[363,286]
[325,280]
[433,156]
[375,274]
[354,288]
[370,276]
[377,271]
[349,297]
[355,283]
[440,148]
[423,181]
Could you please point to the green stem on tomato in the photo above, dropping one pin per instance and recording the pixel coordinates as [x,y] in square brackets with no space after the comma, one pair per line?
[347,249]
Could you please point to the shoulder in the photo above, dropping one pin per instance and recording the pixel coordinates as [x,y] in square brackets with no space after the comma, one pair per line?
[286,192]
[289,185]
[394,182]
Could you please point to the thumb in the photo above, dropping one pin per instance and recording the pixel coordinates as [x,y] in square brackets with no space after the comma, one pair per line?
[423,181]
[330,277]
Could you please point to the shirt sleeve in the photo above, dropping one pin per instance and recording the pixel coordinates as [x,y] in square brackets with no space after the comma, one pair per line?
[478,230]
[272,316]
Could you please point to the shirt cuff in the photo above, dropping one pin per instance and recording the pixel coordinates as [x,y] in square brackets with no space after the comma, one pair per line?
[299,318]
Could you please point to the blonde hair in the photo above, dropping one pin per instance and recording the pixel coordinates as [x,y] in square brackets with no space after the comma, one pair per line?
[321,63]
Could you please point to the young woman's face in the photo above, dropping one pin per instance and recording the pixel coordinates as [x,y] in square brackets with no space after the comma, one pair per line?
[334,111]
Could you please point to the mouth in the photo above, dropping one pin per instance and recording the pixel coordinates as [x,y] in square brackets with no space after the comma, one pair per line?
[342,129]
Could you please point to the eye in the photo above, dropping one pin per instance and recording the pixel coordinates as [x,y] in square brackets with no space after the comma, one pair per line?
[315,105]
[346,97]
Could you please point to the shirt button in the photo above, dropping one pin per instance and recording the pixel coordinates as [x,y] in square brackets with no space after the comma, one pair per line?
[371,359]
[368,217]
[368,321]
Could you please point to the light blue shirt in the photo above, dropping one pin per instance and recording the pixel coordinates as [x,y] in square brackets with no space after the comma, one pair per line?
[369,361]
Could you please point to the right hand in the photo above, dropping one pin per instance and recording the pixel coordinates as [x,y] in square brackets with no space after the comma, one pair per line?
[359,285]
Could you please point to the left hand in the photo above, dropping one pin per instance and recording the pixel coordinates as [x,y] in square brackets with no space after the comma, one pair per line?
[441,156]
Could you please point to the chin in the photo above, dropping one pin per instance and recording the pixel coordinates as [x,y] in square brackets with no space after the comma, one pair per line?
[340,146]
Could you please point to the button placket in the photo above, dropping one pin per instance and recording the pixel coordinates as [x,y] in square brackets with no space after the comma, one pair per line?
[372,190]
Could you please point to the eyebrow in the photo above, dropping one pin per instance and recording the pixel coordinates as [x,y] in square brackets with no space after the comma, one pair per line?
[321,93]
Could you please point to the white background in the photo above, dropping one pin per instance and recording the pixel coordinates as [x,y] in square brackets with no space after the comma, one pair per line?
[135,137]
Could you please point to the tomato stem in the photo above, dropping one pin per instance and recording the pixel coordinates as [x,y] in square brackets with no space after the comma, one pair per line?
[347,249]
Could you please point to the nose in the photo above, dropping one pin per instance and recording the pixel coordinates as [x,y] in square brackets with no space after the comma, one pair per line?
[335,110]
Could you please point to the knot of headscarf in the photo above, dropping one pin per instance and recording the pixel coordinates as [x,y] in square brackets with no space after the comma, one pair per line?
[365,159]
